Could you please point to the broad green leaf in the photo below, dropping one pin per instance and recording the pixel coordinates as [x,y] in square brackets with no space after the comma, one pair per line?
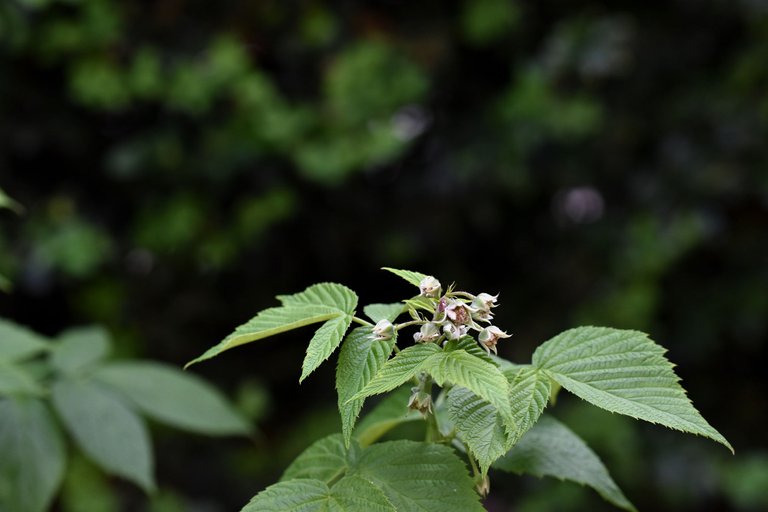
[399,369]
[14,380]
[389,413]
[470,345]
[478,375]
[422,303]
[107,431]
[32,456]
[325,460]
[323,343]
[350,494]
[414,278]
[552,449]
[419,476]
[529,390]
[625,372]
[173,397]
[324,302]
[17,342]
[268,323]
[360,358]
[378,312]
[79,348]
[479,425]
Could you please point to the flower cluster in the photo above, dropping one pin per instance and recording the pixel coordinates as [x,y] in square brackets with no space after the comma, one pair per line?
[456,313]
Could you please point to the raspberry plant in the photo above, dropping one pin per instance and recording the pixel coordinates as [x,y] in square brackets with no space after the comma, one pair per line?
[486,410]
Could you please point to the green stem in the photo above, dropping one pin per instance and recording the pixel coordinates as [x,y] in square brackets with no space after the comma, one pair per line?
[408,324]
[362,322]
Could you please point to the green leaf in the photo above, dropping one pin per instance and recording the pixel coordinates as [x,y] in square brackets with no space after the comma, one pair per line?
[414,278]
[33,456]
[389,413]
[625,372]
[107,431]
[325,460]
[360,358]
[350,494]
[552,449]
[79,348]
[14,380]
[529,390]
[378,312]
[17,342]
[323,343]
[324,302]
[479,425]
[419,476]
[399,369]
[173,397]
[478,375]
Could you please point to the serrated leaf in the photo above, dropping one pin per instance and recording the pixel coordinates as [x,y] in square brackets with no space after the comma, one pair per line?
[478,375]
[323,343]
[422,303]
[389,413]
[108,432]
[325,460]
[350,494]
[479,426]
[412,277]
[625,372]
[15,380]
[33,456]
[360,358]
[18,342]
[552,449]
[529,390]
[399,369]
[418,476]
[173,397]
[378,312]
[79,348]
[470,345]
[324,302]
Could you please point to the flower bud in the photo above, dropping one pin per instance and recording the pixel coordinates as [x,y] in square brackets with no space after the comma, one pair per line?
[420,401]
[430,287]
[383,330]
[483,487]
[489,336]
[454,332]
[429,332]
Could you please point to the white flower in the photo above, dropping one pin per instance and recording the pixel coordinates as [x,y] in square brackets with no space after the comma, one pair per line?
[482,305]
[490,336]
[428,332]
[454,332]
[458,312]
[383,330]
[430,287]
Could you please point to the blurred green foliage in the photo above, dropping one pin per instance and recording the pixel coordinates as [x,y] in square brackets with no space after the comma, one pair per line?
[179,163]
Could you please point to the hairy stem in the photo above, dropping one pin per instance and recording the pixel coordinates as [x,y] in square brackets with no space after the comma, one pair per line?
[362,321]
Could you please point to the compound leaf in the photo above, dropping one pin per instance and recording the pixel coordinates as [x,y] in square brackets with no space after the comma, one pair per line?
[324,460]
[529,390]
[33,455]
[79,348]
[479,425]
[107,431]
[389,312]
[350,494]
[173,397]
[625,372]
[399,369]
[478,375]
[412,277]
[17,342]
[419,476]
[550,448]
[322,302]
[360,358]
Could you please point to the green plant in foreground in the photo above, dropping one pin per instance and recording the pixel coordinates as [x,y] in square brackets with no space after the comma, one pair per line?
[69,381]
[487,410]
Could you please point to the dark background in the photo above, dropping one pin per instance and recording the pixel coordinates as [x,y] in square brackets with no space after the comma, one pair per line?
[182,162]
